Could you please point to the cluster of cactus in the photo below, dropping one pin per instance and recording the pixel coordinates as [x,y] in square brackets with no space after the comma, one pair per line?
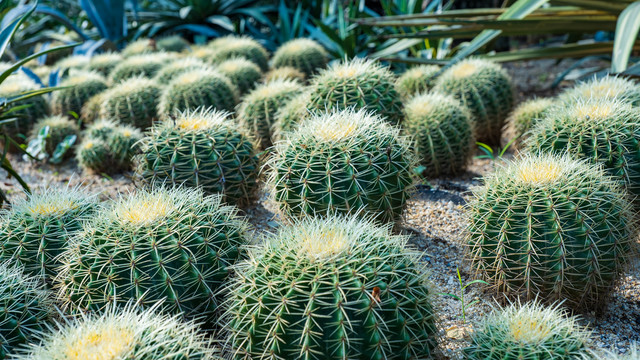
[169,245]
[285,72]
[290,115]
[60,127]
[204,149]
[173,43]
[524,118]
[551,227]
[122,333]
[529,331]
[417,80]
[178,67]
[77,90]
[108,147]
[257,111]
[601,130]
[606,87]
[229,47]
[443,131]
[201,87]
[35,231]
[305,55]
[37,108]
[343,162]
[243,73]
[146,65]
[485,89]
[104,63]
[132,102]
[363,84]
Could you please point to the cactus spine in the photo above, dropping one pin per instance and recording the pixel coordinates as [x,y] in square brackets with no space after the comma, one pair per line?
[524,118]
[417,80]
[305,55]
[81,86]
[132,102]
[607,87]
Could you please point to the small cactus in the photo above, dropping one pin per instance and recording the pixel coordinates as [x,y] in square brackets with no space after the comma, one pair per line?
[443,131]
[285,73]
[146,65]
[76,62]
[178,67]
[35,230]
[109,147]
[132,102]
[607,87]
[39,108]
[81,86]
[550,227]
[228,47]
[524,118]
[59,128]
[417,80]
[290,116]
[104,63]
[198,88]
[122,334]
[332,288]
[170,245]
[529,331]
[174,43]
[101,129]
[243,73]
[305,55]
[204,148]
[603,131]
[483,87]
[90,111]
[343,162]
[257,111]
[139,47]
[362,84]
[94,155]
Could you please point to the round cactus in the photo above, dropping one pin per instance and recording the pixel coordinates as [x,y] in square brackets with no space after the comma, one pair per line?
[109,147]
[257,111]
[72,62]
[417,80]
[305,55]
[146,65]
[529,331]
[229,47]
[132,102]
[290,115]
[483,87]
[39,108]
[332,288]
[524,118]
[551,227]
[344,162]
[243,73]
[59,128]
[203,149]
[286,73]
[173,43]
[203,53]
[443,130]
[90,111]
[101,129]
[139,47]
[104,63]
[94,155]
[35,230]
[170,245]
[363,84]
[25,309]
[81,86]
[178,67]
[608,87]
[198,88]
[122,334]
[123,146]
[603,131]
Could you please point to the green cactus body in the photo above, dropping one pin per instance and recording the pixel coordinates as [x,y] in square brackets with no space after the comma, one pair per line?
[443,131]
[286,73]
[529,331]
[417,80]
[336,288]
[123,146]
[94,155]
[173,43]
[203,149]
[132,102]
[289,116]
[72,62]
[551,227]
[203,53]
[305,55]
[524,118]
[104,63]
[109,147]
[243,73]
[36,230]
[345,162]
[101,129]
[81,86]
[146,66]
[39,108]
[198,88]
[25,309]
[603,131]
[59,128]
[178,67]
[483,87]
[170,245]
[362,84]
[90,111]
[607,87]
[229,47]
[257,111]
[122,334]
[139,47]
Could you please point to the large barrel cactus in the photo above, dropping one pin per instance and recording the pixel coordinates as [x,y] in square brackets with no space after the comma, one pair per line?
[204,148]
[607,87]
[170,245]
[363,84]
[178,67]
[132,102]
[345,162]
[79,88]
[174,43]
[335,288]
[524,118]
[146,65]
[305,55]
[228,47]
[529,331]
[104,63]
[243,73]
[417,80]
[35,231]
[485,88]
[551,227]
[601,130]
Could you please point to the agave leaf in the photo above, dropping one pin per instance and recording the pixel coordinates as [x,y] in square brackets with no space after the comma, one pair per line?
[626,34]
